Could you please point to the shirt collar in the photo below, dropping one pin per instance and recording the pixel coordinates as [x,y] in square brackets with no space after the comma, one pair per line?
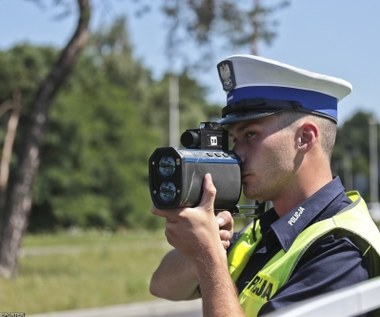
[288,227]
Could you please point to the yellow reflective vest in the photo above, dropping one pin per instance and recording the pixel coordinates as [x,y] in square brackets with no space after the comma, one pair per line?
[353,222]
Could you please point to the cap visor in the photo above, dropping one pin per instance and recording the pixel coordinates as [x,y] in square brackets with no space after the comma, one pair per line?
[245,116]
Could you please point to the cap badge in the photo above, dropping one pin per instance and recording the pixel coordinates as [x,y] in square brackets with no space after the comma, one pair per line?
[226,74]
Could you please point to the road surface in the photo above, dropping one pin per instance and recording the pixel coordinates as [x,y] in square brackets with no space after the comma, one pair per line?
[159,308]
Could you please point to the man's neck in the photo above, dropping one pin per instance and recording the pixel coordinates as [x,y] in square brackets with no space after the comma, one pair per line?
[300,191]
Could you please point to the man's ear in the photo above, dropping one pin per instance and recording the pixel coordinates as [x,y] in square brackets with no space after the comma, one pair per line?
[308,134]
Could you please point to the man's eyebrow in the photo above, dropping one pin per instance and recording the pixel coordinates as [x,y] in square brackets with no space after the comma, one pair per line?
[243,126]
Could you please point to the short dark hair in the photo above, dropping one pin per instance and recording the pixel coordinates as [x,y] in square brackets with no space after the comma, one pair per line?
[326,126]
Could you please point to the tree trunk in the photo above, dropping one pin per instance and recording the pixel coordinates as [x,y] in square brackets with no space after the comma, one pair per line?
[14,106]
[18,201]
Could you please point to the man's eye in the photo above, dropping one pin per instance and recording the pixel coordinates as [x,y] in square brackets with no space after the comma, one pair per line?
[250,135]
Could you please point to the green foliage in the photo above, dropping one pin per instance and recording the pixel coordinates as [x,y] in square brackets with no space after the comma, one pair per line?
[193,106]
[22,68]
[103,126]
[351,154]
[93,171]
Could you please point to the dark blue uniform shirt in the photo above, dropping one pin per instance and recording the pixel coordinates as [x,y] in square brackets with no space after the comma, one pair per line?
[331,264]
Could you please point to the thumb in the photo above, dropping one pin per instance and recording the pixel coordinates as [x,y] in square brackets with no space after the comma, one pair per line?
[209,193]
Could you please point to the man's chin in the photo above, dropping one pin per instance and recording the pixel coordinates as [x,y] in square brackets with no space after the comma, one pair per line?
[249,194]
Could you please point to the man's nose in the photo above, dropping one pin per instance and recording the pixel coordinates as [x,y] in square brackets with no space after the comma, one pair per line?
[239,152]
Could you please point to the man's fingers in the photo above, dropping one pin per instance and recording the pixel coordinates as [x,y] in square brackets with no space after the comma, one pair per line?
[170,215]
[209,193]
[225,235]
[225,220]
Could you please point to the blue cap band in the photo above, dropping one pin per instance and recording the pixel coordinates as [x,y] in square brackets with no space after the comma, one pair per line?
[310,100]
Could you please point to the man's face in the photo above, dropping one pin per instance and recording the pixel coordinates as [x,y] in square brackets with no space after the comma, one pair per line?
[268,155]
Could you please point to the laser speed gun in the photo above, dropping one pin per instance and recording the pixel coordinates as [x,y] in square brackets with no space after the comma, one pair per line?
[176,175]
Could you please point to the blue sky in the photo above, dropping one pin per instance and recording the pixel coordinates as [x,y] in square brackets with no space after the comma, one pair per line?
[336,37]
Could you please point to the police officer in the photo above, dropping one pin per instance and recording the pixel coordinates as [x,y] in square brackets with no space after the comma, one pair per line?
[315,239]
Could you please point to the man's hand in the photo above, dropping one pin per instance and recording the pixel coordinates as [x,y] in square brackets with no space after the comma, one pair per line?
[226,227]
[195,231]
[201,239]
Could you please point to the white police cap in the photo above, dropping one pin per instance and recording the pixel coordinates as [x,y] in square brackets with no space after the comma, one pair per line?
[257,87]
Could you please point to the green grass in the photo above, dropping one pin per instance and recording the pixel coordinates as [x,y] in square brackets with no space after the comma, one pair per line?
[80,270]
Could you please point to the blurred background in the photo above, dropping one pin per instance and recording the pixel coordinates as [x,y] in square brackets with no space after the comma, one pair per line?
[89,88]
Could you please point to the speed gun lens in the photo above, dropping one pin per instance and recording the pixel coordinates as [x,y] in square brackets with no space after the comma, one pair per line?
[166,166]
[167,192]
